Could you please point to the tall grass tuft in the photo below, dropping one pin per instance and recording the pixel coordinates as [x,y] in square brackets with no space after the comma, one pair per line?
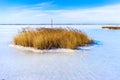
[48,38]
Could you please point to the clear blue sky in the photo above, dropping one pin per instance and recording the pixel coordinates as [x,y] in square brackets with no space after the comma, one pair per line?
[59,4]
[61,11]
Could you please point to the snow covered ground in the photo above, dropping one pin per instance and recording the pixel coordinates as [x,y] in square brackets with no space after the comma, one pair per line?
[100,61]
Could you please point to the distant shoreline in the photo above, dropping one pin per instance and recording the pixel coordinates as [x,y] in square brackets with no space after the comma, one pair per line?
[60,24]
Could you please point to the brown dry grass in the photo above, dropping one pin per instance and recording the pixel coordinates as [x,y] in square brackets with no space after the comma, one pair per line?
[111,27]
[47,38]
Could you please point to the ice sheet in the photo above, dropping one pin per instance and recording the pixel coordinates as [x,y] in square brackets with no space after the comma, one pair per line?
[97,62]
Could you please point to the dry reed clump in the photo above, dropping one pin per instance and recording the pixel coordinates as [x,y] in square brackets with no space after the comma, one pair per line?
[48,38]
[111,27]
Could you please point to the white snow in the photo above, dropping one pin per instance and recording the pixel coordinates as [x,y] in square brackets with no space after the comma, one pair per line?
[60,50]
[100,61]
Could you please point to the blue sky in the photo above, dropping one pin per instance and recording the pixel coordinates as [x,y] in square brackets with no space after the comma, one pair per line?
[59,4]
[62,11]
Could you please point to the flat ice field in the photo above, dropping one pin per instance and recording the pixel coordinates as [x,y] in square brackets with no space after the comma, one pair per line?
[100,61]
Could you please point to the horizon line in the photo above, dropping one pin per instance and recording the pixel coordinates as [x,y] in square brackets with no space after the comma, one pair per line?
[61,24]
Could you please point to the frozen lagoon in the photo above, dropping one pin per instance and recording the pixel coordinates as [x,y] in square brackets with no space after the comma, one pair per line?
[97,62]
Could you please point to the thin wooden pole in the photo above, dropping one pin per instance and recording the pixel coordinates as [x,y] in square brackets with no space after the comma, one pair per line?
[51,23]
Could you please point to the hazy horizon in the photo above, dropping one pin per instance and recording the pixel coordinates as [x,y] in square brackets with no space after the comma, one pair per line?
[60,24]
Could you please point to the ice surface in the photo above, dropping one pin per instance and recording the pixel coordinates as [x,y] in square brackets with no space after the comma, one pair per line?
[97,62]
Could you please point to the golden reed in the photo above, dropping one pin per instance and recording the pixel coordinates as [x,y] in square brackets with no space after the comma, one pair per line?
[49,38]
